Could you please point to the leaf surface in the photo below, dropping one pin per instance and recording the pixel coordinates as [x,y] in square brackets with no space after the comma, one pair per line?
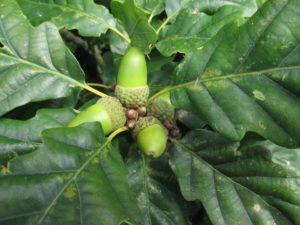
[247,78]
[18,137]
[135,21]
[192,29]
[152,194]
[35,64]
[251,183]
[76,177]
[88,18]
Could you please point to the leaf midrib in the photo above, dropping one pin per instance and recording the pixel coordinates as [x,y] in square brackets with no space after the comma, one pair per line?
[187,149]
[69,182]
[266,72]
[41,68]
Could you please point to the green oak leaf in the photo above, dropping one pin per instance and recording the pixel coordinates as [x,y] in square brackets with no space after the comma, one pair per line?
[151,195]
[135,22]
[255,182]
[210,6]
[35,64]
[76,177]
[192,29]
[88,18]
[19,137]
[246,79]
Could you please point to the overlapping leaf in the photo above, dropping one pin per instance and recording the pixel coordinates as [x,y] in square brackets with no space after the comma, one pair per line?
[18,137]
[153,6]
[76,177]
[135,21]
[192,29]
[35,64]
[247,78]
[88,18]
[152,194]
[262,185]
[210,6]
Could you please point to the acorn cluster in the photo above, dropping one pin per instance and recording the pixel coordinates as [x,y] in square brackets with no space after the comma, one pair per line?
[150,124]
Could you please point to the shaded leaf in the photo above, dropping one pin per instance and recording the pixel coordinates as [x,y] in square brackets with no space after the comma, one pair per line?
[190,120]
[35,64]
[160,79]
[246,78]
[87,17]
[135,21]
[225,201]
[18,137]
[76,177]
[192,29]
[152,195]
[271,171]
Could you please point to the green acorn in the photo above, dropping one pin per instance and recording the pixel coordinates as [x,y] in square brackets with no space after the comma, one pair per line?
[151,136]
[132,89]
[161,108]
[108,111]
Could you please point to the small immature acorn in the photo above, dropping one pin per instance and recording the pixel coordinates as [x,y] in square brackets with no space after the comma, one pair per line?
[131,124]
[132,114]
[108,111]
[151,136]
[142,111]
[132,89]
[162,108]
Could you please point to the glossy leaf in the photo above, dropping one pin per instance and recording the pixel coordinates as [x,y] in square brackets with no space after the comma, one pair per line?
[88,18]
[151,195]
[246,78]
[76,177]
[35,64]
[256,177]
[210,6]
[135,21]
[18,137]
[193,29]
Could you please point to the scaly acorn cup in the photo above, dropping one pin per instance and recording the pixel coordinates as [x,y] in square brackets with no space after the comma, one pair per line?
[108,111]
[161,108]
[132,89]
[151,136]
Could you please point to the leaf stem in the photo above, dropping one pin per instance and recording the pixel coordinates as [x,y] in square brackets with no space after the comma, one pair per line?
[100,85]
[116,132]
[89,88]
[163,24]
[121,34]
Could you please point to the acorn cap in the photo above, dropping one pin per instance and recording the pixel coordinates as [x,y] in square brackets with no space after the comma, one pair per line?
[132,97]
[144,122]
[114,109]
[161,108]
